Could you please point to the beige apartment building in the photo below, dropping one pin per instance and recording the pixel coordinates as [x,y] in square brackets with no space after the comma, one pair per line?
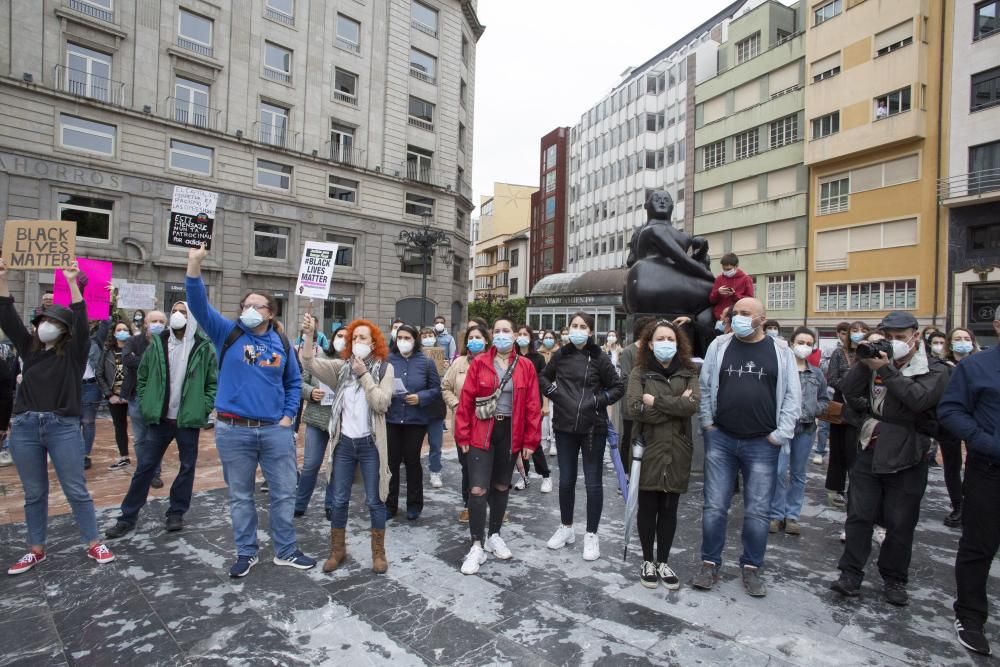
[500,242]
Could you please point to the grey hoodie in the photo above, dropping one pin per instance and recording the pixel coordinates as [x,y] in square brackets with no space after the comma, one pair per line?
[178,351]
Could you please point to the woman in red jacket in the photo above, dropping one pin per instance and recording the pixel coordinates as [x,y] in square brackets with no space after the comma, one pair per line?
[493,438]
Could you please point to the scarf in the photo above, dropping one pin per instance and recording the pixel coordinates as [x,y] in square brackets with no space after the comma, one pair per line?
[349,382]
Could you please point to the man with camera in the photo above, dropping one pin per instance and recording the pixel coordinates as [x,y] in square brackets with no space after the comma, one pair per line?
[896,388]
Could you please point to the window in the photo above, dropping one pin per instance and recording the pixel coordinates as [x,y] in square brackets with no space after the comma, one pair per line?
[277,63]
[341,143]
[747,48]
[550,157]
[894,38]
[515,257]
[984,165]
[273,124]
[423,18]
[270,241]
[900,294]
[654,122]
[550,208]
[191,157]
[715,154]
[654,159]
[191,102]
[92,216]
[781,292]
[832,297]
[985,238]
[421,114]
[985,89]
[826,68]
[784,131]
[282,11]
[826,12]
[423,66]
[986,21]
[891,295]
[343,189]
[465,49]
[194,32]
[893,103]
[345,86]
[550,182]
[87,135]
[348,34]
[88,73]
[461,136]
[834,196]
[463,92]
[274,175]
[419,205]
[513,285]
[746,144]
[826,125]
[458,273]
[345,249]
[418,164]
[782,35]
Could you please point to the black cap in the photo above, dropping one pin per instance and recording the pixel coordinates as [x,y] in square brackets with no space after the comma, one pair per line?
[898,319]
[57,313]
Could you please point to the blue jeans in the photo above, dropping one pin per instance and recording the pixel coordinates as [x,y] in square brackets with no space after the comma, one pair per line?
[569,447]
[241,450]
[757,459]
[312,461]
[139,431]
[788,494]
[435,439]
[90,400]
[822,437]
[348,454]
[158,438]
[32,436]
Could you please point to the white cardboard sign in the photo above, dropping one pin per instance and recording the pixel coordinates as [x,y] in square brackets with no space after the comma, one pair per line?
[316,270]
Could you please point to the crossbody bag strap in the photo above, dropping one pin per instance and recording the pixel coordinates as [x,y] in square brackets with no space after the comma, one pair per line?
[507,375]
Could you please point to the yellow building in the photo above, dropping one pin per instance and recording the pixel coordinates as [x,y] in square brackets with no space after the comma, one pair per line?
[873,109]
[504,215]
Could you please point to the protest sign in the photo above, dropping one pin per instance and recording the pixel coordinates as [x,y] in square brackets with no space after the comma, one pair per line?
[132,296]
[316,270]
[39,244]
[192,217]
[94,278]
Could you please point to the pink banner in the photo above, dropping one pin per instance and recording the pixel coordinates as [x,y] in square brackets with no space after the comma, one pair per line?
[95,276]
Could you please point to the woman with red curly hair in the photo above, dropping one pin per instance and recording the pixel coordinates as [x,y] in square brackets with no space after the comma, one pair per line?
[362,382]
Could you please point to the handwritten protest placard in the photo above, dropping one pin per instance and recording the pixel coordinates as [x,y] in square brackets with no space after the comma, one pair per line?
[132,296]
[39,244]
[316,270]
[192,217]
[93,280]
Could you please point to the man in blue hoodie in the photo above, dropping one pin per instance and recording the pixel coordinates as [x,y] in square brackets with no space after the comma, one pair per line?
[970,409]
[444,339]
[259,387]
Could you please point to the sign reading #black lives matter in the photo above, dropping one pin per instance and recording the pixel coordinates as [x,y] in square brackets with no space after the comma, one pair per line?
[192,217]
[39,244]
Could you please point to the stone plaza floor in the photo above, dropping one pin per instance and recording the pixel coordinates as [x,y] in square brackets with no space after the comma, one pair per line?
[167,599]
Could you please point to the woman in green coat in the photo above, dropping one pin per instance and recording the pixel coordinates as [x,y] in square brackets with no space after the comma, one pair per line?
[662,396]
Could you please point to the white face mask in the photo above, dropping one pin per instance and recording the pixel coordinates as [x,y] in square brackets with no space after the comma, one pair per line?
[802,351]
[339,344]
[428,342]
[730,273]
[404,346]
[938,348]
[900,348]
[178,320]
[361,350]
[439,327]
[48,332]
[612,340]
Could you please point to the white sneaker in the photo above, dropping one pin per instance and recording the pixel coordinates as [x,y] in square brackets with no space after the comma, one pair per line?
[843,537]
[878,535]
[436,480]
[818,459]
[5,458]
[473,560]
[591,548]
[496,546]
[564,535]
[552,449]
[519,484]
[547,485]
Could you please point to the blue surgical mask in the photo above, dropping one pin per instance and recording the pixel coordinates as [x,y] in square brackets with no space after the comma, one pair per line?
[961,347]
[156,328]
[743,326]
[664,350]
[121,335]
[503,341]
[578,336]
[857,336]
[549,343]
[475,345]
[522,341]
[251,319]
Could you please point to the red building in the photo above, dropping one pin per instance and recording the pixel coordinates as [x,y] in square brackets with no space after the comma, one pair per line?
[549,208]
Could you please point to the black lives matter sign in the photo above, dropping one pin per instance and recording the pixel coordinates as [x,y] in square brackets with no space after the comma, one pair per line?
[192,217]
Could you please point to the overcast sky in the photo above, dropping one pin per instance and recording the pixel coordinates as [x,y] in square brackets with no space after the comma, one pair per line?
[542,63]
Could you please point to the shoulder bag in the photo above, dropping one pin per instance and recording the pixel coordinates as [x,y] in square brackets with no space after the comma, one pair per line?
[486,406]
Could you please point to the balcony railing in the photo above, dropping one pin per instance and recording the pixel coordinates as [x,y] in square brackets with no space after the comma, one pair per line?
[91,10]
[85,84]
[423,27]
[421,123]
[348,45]
[414,171]
[280,17]
[420,74]
[349,155]
[275,135]
[277,75]
[196,115]
[194,46]
[974,184]
[345,97]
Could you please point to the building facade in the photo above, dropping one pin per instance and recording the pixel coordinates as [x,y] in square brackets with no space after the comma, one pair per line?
[970,181]
[336,120]
[750,183]
[549,207]
[504,221]
[872,104]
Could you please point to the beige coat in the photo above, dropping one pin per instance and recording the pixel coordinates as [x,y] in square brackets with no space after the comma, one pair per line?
[454,379]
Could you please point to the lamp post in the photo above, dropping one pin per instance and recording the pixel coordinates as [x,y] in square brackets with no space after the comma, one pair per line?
[425,243]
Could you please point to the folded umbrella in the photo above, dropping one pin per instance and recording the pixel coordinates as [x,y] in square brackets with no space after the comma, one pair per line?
[616,459]
[632,499]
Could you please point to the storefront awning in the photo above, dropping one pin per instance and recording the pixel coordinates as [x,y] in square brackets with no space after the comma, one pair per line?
[590,287]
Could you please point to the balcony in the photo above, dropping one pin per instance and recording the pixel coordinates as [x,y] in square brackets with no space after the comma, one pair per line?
[345,97]
[275,135]
[421,123]
[353,157]
[423,27]
[420,74]
[197,47]
[93,11]
[277,75]
[84,84]
[973,188]
[412,171]
[348,45]
[280,17]
[196,115]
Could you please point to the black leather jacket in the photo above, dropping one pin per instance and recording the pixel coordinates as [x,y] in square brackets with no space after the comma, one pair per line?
[581,384]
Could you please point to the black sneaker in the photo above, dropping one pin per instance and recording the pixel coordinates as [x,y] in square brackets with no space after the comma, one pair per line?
[846,586]
[647,575]
[241,567]
[895,593]
[122,462]
[753,583]
[706,577]
[972,639]
[329,513]
[157,483]
[174,523]
[668,576]
[120,528]
[299,513]
[954,520]
[87,463]
[296,559]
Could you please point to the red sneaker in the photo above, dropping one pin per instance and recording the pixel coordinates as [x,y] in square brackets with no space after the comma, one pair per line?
[100,553]
[28,561]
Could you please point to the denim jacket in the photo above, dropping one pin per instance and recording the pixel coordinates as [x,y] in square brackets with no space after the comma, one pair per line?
[815,397]
[788,392]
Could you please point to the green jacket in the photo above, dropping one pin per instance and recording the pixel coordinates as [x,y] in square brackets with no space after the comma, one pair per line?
[665,426]
[197,392]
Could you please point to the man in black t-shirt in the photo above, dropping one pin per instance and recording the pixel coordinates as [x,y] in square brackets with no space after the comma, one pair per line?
[751,400]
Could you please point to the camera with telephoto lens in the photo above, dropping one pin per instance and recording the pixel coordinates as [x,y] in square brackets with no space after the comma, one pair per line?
[871,350]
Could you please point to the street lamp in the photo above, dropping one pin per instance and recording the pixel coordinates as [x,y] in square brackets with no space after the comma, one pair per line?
[425,243]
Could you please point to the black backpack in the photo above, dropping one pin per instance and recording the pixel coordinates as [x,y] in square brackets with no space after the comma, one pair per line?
[237,333]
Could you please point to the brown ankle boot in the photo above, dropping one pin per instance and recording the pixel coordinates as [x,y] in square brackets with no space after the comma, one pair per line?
[338,550]
[379,564]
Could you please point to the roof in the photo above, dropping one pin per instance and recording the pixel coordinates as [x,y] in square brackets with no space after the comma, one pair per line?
[606,281]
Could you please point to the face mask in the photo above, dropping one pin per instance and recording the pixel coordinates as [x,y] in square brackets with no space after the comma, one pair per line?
[428,342]
[730,273]
[549,343]
[773,333]
[962,347]
[857,336]
[802,351]
[900,349]
[156,328]
[137,319]
[743,326]
[563,337]
[578,337]
[439,327]
[49,332]
[720,326]
[523,341]
[476,345]
[664,350]
[339,344]
[612,340]
[122,335]
[251,319]
[404,346]
[503,341]
[937,348]
[178,320]
[362,350]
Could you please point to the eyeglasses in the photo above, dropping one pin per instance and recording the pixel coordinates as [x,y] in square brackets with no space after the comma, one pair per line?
[255,306]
